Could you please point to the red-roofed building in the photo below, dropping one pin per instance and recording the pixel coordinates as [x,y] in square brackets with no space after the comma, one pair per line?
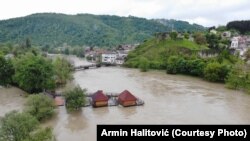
[127,99]
[99,99]
[59,101]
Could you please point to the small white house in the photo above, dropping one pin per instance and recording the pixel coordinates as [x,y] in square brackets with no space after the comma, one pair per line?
[235,43]
[109,58]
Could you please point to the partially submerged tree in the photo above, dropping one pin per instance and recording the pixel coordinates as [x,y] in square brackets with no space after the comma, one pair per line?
[6,71]
[34,73]
[62,70]
[75,98]
[40,106]
[16,126]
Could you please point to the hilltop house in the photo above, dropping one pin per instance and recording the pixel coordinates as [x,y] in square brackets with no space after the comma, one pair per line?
[226,34]
[240,44]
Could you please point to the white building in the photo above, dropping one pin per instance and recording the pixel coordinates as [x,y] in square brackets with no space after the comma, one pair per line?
[240,44]
[234,43]
[109,58]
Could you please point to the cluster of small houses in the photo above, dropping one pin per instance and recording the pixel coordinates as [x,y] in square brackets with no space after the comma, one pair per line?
[114,57]
[239,43]
[99,99]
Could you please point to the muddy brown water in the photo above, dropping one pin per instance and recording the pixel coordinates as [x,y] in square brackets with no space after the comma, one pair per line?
[169,99]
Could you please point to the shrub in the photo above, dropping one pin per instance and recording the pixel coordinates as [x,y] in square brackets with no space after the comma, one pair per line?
[16,126]
[195,67]
[216,72]
[144,64]
[75,98]
[175,64]
[6,71]
[40,106]
[238,77]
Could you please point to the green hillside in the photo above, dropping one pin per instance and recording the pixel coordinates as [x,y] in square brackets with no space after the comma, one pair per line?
[157,51]
[81,29]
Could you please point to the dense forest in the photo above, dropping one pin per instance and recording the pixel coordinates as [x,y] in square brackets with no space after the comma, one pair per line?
[85,29]
[242,26]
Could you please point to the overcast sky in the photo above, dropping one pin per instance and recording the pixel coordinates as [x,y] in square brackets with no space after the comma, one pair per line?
[204,12]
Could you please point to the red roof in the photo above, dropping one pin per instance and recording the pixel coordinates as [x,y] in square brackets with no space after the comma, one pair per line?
[126,96]
[59,101]
[99,96]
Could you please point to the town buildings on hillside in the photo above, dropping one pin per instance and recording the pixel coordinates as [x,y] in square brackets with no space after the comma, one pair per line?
[240,44]
[115,56]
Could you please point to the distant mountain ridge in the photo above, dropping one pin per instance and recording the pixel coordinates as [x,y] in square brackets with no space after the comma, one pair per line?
[86,29]
[181,26]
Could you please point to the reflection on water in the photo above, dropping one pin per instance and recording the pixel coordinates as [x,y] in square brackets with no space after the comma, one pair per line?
[169,99]
[76,121]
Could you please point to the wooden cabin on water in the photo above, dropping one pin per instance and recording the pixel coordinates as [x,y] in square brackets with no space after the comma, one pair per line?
[127,99]
[99,99]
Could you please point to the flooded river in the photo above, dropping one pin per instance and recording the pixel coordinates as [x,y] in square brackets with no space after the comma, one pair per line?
[169,99]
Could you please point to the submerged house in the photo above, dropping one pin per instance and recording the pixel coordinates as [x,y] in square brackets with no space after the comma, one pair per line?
[127,99]
[99,99]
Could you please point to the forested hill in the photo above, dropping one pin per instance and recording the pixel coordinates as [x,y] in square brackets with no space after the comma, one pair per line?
[242,26]
[181,26]
[82,29]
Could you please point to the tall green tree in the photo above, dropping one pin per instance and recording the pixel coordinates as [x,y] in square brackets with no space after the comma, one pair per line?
[34,73]
[213,40]
[75,98]
[6,70]
[173,35]
[199,38]
[40,106]
[62,70]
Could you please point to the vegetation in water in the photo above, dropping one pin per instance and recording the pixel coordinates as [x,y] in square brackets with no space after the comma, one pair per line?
[16,126]
[75,98]
[40,106]
[33,73]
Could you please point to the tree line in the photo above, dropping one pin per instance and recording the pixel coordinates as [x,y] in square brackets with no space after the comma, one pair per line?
[242,26]
[30,70]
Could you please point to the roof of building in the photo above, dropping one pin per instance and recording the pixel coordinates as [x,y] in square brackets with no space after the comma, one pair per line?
[99,96]
[59,101]
[126,96]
